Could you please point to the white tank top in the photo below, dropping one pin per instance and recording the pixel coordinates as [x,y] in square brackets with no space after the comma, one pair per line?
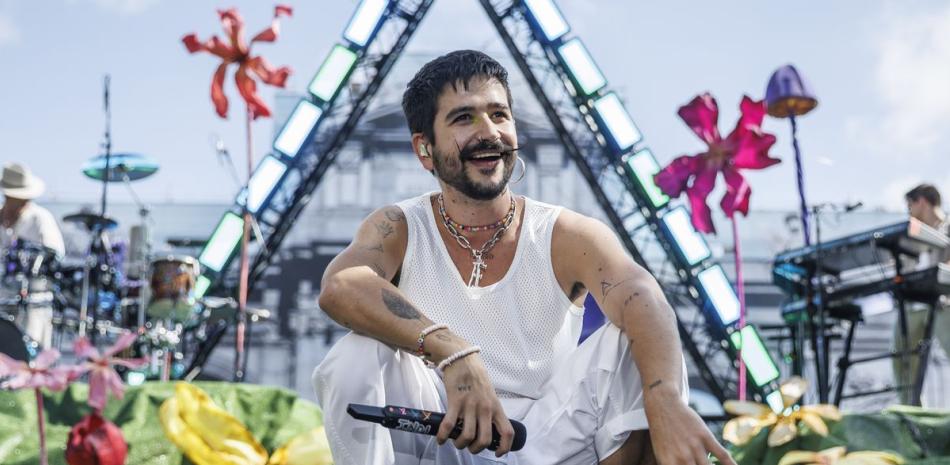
[524,323]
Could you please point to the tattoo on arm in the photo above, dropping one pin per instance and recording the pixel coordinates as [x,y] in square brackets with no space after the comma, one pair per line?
[630,298]
[464,387]
[385,229]
[655,384]
[375,248]
[399,306]
[395,215]
[606,287]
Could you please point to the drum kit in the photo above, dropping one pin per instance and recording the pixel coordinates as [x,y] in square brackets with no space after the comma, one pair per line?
[46,300]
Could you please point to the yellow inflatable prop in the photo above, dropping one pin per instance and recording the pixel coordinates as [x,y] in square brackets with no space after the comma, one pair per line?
[209,435]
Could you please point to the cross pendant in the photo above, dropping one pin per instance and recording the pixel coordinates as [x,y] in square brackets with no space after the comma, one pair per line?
[477,266]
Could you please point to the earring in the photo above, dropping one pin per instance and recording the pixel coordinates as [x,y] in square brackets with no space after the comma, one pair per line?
[524,170]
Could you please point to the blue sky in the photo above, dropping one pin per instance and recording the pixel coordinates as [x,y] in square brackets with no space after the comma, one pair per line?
[880,70]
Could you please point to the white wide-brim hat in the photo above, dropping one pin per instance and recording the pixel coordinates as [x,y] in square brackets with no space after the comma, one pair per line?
[17,182]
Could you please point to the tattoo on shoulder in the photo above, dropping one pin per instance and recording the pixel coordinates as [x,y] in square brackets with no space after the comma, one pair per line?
[655,384]
[606,287]
[384,229]
[395,215]
[399,306]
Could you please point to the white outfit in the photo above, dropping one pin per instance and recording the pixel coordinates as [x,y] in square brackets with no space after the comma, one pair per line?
[37,225]
[578,403]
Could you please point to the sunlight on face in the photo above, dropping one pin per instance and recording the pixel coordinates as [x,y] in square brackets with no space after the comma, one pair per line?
[474,137]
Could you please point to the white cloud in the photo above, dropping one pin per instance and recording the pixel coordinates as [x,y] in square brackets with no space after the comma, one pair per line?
[9,33]
[911,77]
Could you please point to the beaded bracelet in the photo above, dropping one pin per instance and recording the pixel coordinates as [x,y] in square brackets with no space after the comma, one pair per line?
[420,350]
[456,356]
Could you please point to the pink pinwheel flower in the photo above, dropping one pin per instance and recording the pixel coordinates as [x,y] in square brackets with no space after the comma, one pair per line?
[40,374]
[747,147]
[237,50]
[36,376]
[102,376]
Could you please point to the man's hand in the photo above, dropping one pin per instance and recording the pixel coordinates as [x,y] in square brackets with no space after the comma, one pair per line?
[472,399]
[678,434]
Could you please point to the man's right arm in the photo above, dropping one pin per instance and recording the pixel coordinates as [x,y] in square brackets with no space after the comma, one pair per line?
[357,292]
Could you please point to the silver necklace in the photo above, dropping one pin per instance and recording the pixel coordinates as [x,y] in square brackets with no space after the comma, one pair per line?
[478,263]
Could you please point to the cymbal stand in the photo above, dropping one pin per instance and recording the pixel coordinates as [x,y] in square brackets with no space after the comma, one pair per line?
[146,221]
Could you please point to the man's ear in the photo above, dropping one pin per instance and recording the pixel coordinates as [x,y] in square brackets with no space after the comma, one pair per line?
[423,150]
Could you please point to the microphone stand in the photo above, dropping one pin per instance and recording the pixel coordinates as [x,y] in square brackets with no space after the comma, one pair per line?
[241,342]
[822,353]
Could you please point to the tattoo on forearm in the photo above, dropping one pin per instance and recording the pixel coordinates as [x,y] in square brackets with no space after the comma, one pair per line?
[606,287]
[375,248]
[385,229]
[464,387]
[655,384]
[395,215]
[442,336]
[399,306]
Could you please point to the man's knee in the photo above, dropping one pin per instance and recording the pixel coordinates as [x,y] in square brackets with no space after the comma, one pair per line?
[352,359]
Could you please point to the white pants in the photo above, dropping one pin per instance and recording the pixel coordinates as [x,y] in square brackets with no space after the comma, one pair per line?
[583,414]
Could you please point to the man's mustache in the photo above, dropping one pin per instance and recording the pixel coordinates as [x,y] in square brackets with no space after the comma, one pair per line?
[482,146]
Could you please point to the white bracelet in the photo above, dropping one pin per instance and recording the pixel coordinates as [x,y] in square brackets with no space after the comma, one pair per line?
[420,349]
[456,356]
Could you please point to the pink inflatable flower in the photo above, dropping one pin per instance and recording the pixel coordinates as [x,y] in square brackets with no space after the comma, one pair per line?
[102,376]
[40,374]
[746,147]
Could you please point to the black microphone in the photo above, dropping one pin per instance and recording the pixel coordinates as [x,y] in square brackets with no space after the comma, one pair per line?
[426,422]
[854,206]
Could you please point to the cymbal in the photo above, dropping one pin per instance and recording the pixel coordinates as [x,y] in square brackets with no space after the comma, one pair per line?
[91,221]
[133,165]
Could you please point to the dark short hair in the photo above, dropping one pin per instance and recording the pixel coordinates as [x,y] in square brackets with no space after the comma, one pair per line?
[421,98]
[926,191]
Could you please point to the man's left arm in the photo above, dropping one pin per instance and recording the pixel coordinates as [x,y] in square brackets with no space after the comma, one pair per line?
[632,300]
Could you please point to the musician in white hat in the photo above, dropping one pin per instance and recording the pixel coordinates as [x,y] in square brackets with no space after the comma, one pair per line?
[24,222]
[20,217]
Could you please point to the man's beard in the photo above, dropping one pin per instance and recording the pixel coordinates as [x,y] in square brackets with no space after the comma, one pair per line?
[451,170]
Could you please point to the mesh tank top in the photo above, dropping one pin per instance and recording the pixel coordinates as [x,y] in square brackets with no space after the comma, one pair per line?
[524,323]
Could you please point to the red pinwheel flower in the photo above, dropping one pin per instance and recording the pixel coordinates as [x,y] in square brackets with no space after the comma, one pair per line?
[102,376]
[39,374]
[747,147]
[95,441]
[236,50]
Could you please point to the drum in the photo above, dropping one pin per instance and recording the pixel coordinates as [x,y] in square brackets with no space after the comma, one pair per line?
[172,289]
[14,343]
[25,260]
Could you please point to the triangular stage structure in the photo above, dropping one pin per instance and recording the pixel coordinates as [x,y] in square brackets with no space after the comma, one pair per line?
[591,123]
